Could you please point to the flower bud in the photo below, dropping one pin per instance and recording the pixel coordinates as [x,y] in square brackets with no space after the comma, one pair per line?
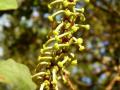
[41,51]
[47,82]
[82,17]
[50,18]
[65,3]
[81,48]
[87,1]
[74,28]
[74,62]
[67,25]
[87,27]
[67,12]
[79,41]
[56,46]
[49,6]
[55,33]
[57,38]
[82,10]
[72,54]
[60,64]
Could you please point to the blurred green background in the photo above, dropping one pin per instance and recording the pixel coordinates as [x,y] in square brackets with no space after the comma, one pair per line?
[23,31]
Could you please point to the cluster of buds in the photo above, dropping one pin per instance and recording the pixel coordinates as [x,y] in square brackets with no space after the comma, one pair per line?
[55,55]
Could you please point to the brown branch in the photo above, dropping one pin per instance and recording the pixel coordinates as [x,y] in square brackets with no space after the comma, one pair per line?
[110,10]
[116,78]
[72,87]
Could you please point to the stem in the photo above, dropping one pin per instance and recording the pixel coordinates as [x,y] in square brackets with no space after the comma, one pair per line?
[57,1]
[42,86]
[39,74]
[58,12]
[44,58]
[59,27]
[54,76]
[60,36]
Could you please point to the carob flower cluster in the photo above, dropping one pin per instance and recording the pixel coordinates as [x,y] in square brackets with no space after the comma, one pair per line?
[55,55]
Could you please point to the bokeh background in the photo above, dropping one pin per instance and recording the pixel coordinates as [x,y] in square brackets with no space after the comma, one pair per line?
[23,31]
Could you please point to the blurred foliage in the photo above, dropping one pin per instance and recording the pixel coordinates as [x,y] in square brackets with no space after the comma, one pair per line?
[23,31]
[4,4]
[15,76]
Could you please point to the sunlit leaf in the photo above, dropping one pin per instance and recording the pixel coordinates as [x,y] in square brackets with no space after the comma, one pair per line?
[8,4]
[15,76]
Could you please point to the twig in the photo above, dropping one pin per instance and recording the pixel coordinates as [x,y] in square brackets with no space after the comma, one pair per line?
[110,11]
[116,78]
[72,87]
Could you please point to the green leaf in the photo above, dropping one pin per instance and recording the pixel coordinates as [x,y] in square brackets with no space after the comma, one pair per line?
[15,76]
[8,4]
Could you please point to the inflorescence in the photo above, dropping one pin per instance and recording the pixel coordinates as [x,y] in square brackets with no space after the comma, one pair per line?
[55,55]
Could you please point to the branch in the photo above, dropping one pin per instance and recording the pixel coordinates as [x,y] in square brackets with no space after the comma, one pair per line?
[116,78]
[72,87]
[110,10]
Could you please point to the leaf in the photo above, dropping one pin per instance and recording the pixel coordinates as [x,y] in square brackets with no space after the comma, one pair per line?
[8,4]
[15,76]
